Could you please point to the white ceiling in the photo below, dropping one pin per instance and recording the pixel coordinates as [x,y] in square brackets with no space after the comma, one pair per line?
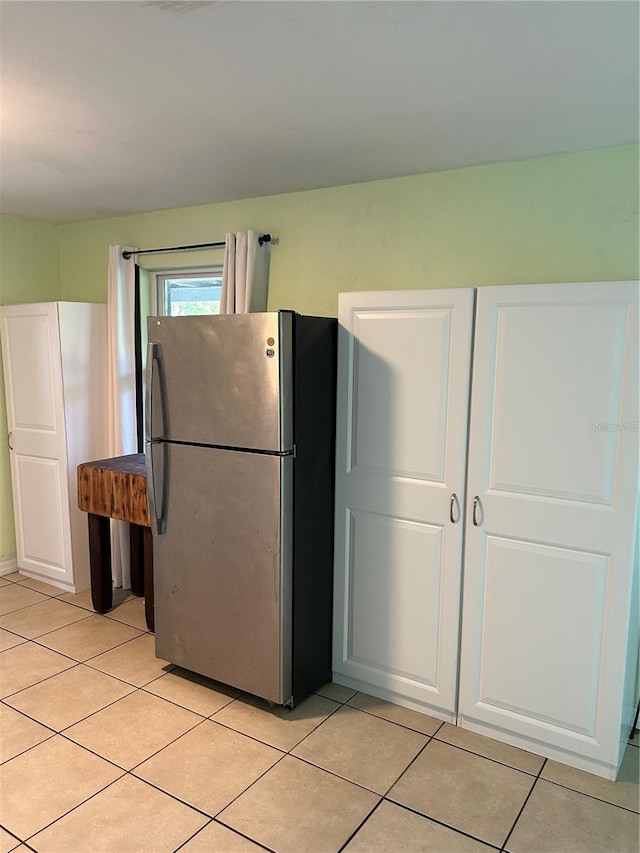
[111,108]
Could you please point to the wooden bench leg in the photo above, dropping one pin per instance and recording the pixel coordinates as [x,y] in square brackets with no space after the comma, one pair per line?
[147,542]
[100,560]
[136,552]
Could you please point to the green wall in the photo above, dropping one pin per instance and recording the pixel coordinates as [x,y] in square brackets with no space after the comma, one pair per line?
[29,272]
[571,217]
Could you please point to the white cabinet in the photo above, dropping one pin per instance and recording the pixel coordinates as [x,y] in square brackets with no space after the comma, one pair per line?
[549,629]
[403,390]
[55,370]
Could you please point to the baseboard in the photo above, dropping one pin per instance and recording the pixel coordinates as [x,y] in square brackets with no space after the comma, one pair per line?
[8,566]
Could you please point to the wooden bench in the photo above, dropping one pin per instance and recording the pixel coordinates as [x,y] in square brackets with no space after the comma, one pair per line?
[117,488]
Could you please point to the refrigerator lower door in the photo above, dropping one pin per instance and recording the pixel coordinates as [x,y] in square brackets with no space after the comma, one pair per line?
[222,567]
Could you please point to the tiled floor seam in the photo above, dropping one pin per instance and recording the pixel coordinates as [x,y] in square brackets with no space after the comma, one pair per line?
[121,622]
[441,823]
[108,760]
[119,678]
[395,723]
[85,663]
[337,775]
[110,649]
[102,790]
[97,711]
[362,823]
[183,707]
[244,791]
[18,841]
[18,609]
[164,746]
[489,758]
[235,831]
[77,806]
[411,763]
[42,680]
[315,728]
[331,772]
[592,796]
[168,794]
[230,728]
[522,808]
[53,630]
[75,722]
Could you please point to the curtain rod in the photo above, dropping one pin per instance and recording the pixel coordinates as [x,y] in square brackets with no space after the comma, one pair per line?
[265,238]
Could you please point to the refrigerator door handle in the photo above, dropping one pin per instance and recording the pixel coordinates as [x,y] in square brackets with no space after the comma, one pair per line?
[154,354]
[158,523]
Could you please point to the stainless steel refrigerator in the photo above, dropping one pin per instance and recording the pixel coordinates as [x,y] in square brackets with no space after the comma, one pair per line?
[240,426]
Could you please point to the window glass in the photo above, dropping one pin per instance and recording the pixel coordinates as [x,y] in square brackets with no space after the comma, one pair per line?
[185,293]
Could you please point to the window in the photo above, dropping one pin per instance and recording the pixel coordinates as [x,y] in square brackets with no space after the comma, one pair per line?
[186,292]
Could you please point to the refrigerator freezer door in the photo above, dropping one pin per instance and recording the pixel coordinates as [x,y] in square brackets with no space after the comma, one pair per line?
[223,380]
[223,568]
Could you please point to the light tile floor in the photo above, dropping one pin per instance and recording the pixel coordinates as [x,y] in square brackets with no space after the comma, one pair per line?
[105,748]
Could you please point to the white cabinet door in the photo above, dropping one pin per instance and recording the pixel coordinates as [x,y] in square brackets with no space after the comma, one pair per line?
[403,385]
[35,416]
[553,463]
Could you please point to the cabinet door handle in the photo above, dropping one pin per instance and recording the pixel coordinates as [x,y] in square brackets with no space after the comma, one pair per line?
[9,441]
[476,504]
[452,504]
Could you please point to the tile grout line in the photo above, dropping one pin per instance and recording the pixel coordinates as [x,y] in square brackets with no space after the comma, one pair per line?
[79,622]
[41,681]
[73,808]
[58,597]
[591,796]
[123,773]
[99,710]
[283,756]
[494,760]
[89,613]
[18,840]
[369,814]
[413,760]
[441,723]
[234,831]
[442,823]
[522,807]
[77,663]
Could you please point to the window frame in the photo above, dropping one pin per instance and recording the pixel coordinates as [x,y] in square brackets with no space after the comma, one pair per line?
[160,277]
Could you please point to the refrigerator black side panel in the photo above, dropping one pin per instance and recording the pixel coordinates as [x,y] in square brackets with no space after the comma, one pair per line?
[313,501]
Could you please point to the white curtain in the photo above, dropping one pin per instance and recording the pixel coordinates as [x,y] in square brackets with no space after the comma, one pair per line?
[245,274]
[121,389]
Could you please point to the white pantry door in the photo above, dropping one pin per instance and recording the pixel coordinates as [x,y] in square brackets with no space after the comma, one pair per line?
[35,417]
[553,472]
[403,387]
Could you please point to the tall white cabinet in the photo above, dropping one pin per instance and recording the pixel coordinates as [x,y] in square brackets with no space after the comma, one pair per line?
[484,557]
[55,371]
[403,389]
